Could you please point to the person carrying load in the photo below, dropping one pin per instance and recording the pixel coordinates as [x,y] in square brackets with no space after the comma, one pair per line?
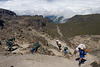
[65,50]
[59,45]
[9,44]
[82,55]
[82,52]
[35,47]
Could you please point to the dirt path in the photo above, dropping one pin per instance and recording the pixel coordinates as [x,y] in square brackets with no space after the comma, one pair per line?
[53,42]
[36,60]
[59,31]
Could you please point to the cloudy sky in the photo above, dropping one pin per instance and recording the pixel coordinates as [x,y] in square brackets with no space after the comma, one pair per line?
[66,8]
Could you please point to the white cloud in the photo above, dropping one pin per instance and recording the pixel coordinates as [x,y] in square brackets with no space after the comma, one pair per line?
[66,8]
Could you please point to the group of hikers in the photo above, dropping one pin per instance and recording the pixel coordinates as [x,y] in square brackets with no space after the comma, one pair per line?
[10,43]
[59,46]
[81,48]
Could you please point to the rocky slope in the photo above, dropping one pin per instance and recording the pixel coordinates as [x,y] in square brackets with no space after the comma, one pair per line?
[92,43]
[22,29]
[27,30]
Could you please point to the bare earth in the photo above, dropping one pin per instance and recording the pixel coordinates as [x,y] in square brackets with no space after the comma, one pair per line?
[37,60]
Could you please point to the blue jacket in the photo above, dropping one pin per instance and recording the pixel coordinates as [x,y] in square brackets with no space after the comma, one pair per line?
[82,53]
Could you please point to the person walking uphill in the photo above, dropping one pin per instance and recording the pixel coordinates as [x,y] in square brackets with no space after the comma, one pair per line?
[81,48]
[82,55]
[65,50]
[59,45]
[57,41]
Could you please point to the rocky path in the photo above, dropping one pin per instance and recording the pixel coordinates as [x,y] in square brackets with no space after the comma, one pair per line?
[36,60]
[59,31]
[53,42]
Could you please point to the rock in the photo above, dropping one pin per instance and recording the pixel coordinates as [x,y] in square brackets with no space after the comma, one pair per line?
[95,64]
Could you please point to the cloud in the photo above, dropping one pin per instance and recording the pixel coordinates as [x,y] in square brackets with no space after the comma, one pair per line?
[66,8]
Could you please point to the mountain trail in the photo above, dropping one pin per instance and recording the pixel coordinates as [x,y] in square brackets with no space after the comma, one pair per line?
[59,31]
[53,42]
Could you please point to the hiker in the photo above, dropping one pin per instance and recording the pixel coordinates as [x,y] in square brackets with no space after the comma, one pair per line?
[9,44]
[57,41]
[59,45]
[82,55]
[65,50]
[36,46]
[81,48]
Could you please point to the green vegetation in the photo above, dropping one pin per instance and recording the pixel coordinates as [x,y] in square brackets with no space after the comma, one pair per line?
[81,25]
[77,25]
[51,30]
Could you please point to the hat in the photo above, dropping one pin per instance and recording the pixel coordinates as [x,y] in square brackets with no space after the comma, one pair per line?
[57,40]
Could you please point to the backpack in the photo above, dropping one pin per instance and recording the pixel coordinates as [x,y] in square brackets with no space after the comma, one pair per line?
[87,50]
[65,48]
[59,45]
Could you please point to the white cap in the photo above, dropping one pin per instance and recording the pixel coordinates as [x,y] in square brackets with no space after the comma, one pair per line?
[57,40]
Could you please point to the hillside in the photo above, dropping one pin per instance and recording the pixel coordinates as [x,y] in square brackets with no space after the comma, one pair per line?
[23,29]
[81,25]
[80,29]
[27,30]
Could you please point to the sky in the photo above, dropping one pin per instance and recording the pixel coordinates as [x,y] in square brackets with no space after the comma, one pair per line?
[65,8]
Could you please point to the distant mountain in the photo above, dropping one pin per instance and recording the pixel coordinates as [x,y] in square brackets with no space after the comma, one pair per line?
[57,19]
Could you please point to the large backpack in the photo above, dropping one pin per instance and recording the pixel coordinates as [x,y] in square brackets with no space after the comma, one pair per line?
[59,45]
[65,48]
[8,42]
[36,45]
